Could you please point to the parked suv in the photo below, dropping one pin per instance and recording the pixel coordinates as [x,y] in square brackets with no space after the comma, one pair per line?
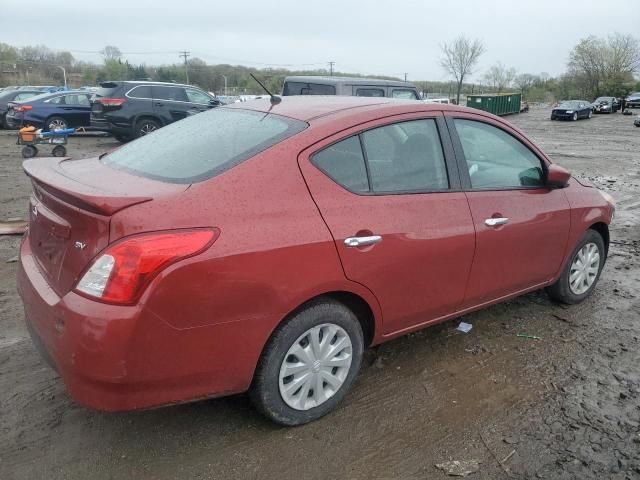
[357,87]
[130,110]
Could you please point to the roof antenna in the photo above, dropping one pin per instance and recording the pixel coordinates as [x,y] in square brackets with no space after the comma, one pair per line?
[274,98]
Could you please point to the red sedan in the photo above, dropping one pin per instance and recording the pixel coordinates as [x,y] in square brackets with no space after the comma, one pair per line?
[262,247]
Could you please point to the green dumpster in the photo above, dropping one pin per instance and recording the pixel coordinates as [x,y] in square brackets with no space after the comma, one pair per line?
[498,104]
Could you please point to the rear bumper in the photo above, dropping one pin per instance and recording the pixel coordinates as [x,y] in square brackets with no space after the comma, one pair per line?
[118,358]
[103,125]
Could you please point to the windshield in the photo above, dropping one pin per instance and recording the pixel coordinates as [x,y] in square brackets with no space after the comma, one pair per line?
[602,99]
[570,104]
[203,146]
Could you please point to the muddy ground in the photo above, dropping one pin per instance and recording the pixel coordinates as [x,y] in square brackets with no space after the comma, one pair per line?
[566,406]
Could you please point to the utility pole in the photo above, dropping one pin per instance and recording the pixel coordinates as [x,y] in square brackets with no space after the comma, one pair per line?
[405,76]
[185,54]
[331,64]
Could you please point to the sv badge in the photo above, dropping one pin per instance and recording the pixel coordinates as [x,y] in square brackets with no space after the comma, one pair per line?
[80,245]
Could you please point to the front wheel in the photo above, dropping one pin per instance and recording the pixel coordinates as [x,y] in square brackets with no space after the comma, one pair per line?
[59,151]
[590,113]
[575,116]
[309,364]
[582,272]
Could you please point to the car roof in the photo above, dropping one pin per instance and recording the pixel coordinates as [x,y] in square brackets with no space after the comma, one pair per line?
[147,82]
[310,107]
[347,80]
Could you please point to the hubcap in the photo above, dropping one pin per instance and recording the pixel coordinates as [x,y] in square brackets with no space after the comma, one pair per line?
[147,128]
[584,268]
[315,367]
[57,125]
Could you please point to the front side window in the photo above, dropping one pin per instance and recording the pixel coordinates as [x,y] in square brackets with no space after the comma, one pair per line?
[196,96]
[495,159]
[202,146]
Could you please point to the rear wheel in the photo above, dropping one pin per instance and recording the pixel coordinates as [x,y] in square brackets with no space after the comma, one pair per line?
[309,364]
[582,272]
[56,123]
[145,127]
[29,151]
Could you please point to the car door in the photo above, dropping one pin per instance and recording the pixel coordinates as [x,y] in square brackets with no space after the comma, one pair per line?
[170,103]
[401,225]
[76,109]
[522,226]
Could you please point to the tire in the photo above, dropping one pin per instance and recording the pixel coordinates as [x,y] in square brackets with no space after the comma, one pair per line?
[268,390]
[574,117]
[3,121]
[59,151]
[553,117]
[145,127]
[29,151]
[590,114]
[562,291]
[56,123]
[122,138]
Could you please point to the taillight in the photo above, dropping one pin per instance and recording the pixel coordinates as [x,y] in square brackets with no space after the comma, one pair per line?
[111,102]
[121,273]
[23,108]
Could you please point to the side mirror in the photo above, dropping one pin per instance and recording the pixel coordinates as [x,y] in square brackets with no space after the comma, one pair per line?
[557,177]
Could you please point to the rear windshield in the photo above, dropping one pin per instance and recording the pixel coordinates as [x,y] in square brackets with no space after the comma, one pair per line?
[106,89]
[304,88]
[203,145]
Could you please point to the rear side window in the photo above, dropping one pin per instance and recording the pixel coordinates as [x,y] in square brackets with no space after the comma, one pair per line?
[406,156]
[303,88]
[77,100]
[369,92]
[344,163]
[55,100]
[142,91]
[202,146]
[175,94]
[397,158]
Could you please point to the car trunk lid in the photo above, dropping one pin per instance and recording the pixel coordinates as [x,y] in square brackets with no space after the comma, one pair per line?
[71,208]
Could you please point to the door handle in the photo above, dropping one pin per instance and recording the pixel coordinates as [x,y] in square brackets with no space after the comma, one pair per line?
[495,222]
[362,241]
[159,104]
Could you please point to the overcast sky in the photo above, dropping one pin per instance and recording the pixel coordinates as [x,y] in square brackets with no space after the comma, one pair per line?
[367,37]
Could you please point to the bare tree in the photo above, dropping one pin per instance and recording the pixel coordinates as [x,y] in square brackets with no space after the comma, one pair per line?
[111,53]
[500,77]
[524,82]
[605,66]
[459,57]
